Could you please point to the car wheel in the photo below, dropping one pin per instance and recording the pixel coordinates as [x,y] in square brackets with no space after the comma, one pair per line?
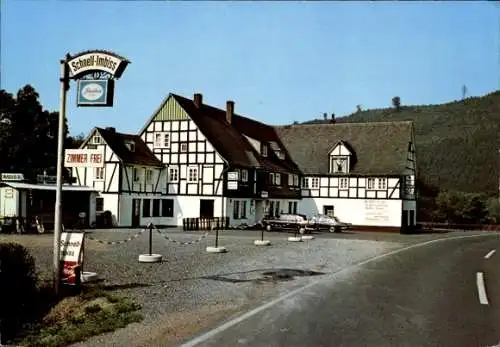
[331,229]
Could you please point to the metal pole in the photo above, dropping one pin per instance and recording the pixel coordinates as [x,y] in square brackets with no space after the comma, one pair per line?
[60,156]
[150,238]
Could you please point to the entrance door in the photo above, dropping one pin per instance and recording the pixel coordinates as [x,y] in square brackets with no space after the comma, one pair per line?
[328,210]
[136,212]
[206,208]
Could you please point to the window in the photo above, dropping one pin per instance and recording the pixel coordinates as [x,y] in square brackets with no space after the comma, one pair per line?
[136,174]
[167,208]
[305,182]
[130,145]
[161,140]
[149,176]
[264,150]
[344,183]
[296,180]
[173,174]
[244,175]
[146,207]
[99,204]
[295,207]
[156,208]
[166,140]
[158,140]
[277,208]
[271,178]
[290,180]
[290,207]
[382,183]
[371,183]
[193,174]
[277,177]
[184,147]
[280,154]
[99,173]
[243,212]
[96,140]
[315,182]
[236,209]
[339,164]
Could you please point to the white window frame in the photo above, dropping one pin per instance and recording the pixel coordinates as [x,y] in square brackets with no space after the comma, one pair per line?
[296,180]
[158,140]
[136,175]
[192,174]
[99,174]
[183,147]
[290,180]
[173,174]
[96,139]
[382,183]
[244,175]
[370,183]
[264,150]
[277,178]
[305,182]
[149,175]
[315,182]
[343,183]
[271,178]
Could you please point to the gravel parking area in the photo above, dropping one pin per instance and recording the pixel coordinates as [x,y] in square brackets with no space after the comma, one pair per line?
[191,290]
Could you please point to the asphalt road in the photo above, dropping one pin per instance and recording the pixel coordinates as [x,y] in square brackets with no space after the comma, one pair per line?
[423,296]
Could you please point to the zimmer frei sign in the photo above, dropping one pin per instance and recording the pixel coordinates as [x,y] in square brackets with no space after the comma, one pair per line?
[95,72]
[84,158]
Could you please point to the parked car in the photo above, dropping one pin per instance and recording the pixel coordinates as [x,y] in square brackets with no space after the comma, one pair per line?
[330,223]
[286,222]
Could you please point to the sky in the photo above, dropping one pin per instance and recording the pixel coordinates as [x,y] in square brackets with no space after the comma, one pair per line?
[278,61]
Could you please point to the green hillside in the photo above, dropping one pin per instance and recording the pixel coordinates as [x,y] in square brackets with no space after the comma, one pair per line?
[457,143]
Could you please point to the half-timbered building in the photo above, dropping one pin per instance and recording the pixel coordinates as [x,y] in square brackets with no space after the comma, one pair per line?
[220,163]
[363,173]
[130,182]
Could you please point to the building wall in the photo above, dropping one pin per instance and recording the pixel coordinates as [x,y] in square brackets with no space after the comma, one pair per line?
[365,212]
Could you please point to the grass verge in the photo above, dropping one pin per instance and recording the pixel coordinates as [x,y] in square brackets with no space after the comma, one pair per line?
[92,312]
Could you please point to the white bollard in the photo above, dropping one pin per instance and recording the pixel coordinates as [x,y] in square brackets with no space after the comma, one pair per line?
[295,239]
[262,242]
[216,249]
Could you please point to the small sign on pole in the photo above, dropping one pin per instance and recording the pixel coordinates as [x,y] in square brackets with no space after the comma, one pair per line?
[95,93]
[12,176]
[71,256]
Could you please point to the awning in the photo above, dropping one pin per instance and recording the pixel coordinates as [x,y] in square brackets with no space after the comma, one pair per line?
[66,187]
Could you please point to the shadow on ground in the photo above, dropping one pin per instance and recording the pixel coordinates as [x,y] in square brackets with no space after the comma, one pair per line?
[259,276]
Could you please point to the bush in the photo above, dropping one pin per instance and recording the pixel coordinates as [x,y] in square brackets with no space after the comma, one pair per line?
[18,287]
[461,208]
[493,209]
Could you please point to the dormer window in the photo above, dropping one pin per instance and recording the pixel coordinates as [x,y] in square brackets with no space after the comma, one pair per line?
[130,146]
[339,164]
[280,154]
[264,150]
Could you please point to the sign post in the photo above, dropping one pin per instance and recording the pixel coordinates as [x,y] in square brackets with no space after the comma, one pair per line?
[98,66]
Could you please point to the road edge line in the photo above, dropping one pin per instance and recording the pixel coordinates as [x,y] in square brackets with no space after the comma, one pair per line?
[489,254]
[213,332]
[481,289]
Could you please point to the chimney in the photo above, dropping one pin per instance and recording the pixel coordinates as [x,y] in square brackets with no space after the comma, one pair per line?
[198,100]
[229,111]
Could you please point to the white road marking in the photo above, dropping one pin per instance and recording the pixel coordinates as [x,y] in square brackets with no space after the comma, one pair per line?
[210,334]
[490,253]
[483,299]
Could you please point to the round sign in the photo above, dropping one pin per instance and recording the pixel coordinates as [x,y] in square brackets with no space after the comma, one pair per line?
[92,91]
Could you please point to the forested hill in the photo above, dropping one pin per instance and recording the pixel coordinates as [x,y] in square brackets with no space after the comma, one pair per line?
[457,143]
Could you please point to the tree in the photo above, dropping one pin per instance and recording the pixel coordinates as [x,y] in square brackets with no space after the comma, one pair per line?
[493,209]
[28,133]
[358,108]
[396,102]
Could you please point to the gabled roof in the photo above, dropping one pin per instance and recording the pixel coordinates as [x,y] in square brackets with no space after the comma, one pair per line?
[380,147]
[141,155]
[228,139]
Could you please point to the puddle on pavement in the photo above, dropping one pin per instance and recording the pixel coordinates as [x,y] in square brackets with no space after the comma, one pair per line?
[259,276]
